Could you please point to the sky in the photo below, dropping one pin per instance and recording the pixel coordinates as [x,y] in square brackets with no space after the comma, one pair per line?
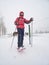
[9,10]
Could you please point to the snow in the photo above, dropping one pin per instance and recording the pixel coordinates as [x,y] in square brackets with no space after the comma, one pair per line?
[38,54]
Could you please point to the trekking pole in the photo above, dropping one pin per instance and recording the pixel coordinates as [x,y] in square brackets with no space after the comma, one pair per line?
[13,39]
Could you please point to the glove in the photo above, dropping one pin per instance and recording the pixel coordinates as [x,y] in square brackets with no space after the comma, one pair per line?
[31,19]
[15,33]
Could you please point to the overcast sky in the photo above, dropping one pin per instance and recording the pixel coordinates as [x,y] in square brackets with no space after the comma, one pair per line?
[10,9]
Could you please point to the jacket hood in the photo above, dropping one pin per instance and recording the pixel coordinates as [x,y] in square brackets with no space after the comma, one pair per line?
[21,13]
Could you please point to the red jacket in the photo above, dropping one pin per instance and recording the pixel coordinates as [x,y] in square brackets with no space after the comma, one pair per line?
[19,22]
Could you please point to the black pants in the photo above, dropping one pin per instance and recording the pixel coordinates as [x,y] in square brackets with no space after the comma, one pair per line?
[20,36]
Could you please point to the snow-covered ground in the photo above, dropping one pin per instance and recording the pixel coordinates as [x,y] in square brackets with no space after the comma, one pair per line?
[38,54]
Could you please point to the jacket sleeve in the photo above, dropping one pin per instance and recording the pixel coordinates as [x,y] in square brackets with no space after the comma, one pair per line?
[27,21]
[16,21]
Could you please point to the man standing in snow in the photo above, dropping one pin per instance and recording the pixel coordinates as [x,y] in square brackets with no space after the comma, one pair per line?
[19,22]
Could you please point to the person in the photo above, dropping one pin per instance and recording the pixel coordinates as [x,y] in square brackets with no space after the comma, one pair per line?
[19,22]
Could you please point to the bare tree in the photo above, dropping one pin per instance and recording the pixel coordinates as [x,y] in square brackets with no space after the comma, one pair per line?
[2,27]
